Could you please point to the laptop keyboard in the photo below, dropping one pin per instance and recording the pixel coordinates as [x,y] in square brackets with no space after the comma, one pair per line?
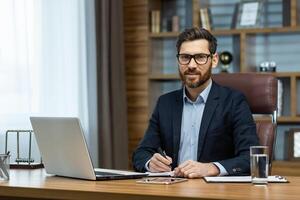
[106,174]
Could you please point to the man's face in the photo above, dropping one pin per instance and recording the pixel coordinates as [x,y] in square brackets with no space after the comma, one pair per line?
[196,72]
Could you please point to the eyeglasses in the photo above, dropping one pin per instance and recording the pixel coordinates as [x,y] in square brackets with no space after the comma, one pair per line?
[200,59]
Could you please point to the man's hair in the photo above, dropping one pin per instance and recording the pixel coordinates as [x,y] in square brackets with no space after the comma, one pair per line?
[191,34]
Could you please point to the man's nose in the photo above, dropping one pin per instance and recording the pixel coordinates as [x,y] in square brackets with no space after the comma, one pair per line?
[192,63]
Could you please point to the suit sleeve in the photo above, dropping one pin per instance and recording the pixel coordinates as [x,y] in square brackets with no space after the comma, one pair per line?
[149,143]
[244,136]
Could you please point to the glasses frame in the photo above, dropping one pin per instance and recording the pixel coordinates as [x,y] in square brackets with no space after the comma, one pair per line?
[193,56]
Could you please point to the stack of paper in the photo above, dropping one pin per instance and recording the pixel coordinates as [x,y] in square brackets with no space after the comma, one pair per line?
[242,179]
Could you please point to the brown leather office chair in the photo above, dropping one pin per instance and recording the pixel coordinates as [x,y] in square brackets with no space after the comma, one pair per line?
[261,93]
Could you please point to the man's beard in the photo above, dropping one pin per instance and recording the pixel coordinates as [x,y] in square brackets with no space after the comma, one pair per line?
[202,78]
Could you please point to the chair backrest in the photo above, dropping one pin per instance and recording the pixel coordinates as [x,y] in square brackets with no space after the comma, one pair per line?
[261,93]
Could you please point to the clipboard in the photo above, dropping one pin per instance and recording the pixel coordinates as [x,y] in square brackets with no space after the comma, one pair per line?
[162,180]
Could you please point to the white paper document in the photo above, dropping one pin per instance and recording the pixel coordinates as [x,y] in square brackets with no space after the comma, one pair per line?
[169,174]
[242,179]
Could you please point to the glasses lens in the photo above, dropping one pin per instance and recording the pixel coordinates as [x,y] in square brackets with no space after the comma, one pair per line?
[184,58]
[201,58]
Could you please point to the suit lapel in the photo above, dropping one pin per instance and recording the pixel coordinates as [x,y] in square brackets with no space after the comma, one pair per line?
[210,107]
[177,116]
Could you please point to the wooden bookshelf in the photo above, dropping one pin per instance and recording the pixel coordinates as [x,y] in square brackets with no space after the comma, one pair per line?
[294,116]
[145,50]
[289,119]
[235,32]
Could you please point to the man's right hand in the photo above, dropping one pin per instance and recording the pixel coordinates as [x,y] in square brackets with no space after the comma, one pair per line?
[158,163]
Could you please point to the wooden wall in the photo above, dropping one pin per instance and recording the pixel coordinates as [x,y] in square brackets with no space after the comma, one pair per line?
[136,64]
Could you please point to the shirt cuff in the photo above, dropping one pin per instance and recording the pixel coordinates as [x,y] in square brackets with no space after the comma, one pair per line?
[146,165]
[223,171]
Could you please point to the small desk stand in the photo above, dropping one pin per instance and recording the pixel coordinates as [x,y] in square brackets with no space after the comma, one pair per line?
[22,163]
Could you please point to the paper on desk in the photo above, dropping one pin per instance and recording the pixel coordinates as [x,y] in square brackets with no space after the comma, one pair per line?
[242,179]
[171,173]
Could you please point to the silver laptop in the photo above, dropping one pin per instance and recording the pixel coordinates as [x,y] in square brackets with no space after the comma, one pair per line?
[64,151]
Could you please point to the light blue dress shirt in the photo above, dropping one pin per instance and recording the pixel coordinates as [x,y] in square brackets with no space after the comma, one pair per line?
[190,127]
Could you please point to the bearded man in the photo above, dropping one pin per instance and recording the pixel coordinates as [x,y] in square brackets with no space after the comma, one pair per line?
[204,129]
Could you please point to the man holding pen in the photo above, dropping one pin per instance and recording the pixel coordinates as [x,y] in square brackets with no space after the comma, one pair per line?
[203,129]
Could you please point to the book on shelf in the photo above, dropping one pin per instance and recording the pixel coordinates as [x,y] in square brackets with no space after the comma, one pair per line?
[286,16]
[175,23]
[155,21]
[280,97]
[205,18]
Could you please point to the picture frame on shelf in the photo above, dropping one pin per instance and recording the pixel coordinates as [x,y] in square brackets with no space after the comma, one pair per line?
[249,14]
[293,150]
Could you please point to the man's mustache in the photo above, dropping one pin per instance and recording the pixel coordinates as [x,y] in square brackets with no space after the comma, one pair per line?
[191,73]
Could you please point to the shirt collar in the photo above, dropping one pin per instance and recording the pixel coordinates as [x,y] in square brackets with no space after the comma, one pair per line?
[202,97]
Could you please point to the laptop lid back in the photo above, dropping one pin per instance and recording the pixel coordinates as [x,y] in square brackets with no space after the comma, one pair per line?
[62,146]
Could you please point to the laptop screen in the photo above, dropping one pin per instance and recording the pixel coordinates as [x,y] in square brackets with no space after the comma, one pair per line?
[64,151]
[62,146]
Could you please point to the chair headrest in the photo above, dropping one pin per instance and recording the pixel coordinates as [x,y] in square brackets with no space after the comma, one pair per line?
[260,89]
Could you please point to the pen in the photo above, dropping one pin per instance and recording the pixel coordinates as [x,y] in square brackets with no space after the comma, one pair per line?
[161,152]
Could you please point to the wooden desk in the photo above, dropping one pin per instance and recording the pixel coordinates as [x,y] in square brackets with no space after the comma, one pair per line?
[30,184]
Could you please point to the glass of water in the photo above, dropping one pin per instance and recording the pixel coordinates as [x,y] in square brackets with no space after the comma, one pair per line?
[259,163]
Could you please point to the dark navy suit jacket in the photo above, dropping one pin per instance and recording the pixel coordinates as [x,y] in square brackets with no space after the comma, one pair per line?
[226,133]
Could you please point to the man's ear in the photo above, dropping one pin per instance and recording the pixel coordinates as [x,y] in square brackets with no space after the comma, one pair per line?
[215,60]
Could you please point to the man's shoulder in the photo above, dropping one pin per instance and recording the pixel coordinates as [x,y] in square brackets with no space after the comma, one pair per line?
[173,95]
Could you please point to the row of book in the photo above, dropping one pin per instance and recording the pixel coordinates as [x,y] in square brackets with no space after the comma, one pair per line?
[167,24]
[246,14]
[155,21]
[173,23]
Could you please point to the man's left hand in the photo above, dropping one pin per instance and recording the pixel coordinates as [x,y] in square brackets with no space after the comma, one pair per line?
[194,169]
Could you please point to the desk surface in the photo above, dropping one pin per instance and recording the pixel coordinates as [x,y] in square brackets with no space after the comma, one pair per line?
[36,184]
